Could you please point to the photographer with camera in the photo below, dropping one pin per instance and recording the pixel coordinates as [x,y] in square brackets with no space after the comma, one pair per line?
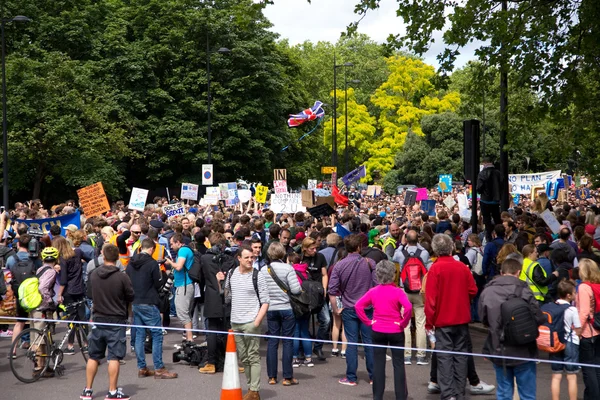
[216,260]
[22,266]
[145,276]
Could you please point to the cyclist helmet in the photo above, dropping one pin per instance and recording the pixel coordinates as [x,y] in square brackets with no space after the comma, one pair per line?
[50,254]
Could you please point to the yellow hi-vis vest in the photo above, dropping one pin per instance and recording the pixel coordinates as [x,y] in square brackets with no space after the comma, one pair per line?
[124,258]
[389,240]
[527,276]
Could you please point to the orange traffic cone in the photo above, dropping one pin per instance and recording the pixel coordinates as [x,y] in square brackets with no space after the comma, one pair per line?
[231,388]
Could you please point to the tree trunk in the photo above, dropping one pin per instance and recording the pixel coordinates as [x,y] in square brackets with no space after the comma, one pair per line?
[37,183]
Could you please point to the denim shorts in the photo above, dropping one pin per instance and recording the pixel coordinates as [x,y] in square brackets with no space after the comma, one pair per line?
[569,354]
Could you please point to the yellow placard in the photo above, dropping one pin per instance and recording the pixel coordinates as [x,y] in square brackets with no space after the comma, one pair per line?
[328,170]
[261,194]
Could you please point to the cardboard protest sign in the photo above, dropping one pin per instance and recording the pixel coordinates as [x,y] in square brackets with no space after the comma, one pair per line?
[138,199]
[261,194]
[307,198]
[209,200]
[173,210]
[449,202]
[551,221]
[326,200]
[93,200]
[189,191]
[45,224]
[244,195]
[312,184]
[279,175]
[287,203]
[429,207]
[373,190]
[280,186]
[213,191]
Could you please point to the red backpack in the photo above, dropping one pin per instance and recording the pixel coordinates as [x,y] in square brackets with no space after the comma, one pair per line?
[595,321]
[413,271]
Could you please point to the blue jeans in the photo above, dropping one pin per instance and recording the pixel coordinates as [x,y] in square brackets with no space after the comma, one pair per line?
[280,323]
[149,315]
[526,382]
[301,331]
[324,319]
[352,325]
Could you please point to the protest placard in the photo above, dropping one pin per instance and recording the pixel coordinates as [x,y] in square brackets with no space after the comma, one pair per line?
[189,191]
[449,202]
[445,183]
[209,200]
[213,191]
[551,221]
[312,184]
[93,200]
[422,194]
[287,203]
[173,210]
[261,194]
[373,190]
[279,175]
[429,207]
[328,170]
[280,186]
[244,195]
[138,199]
[521,183]
[307,198]
[410,197]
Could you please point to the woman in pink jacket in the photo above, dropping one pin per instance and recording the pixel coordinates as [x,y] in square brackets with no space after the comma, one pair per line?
[391,314]
[589,346]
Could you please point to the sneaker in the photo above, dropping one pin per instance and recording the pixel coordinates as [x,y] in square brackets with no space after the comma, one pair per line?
[407,361]
[422,361]
[117,395]
[87,394]
[128,332]
[388,358]
[345,381]
[132,349]
[69,351]
[335,353]
[165,332]
[6,333]
[343,354]
[295,363]
[482,388]
[309,363]
[433,387]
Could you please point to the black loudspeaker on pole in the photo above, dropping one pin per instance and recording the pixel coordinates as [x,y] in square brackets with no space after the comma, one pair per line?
[471,163]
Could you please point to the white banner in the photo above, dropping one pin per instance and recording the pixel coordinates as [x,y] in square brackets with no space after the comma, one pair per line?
[522,183]
[189,191]
[245,195]
[207,174]
[138,199]
[286,203]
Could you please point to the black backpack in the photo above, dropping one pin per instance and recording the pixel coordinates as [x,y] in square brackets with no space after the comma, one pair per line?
[313,294]
[195,272]
[22,270]
[519,323]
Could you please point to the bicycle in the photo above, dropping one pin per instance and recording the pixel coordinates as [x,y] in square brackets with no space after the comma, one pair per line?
[31,363]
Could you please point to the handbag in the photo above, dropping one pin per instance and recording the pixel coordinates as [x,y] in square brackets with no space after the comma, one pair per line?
[299,305]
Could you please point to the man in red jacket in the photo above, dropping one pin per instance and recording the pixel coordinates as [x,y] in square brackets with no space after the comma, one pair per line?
[449,289]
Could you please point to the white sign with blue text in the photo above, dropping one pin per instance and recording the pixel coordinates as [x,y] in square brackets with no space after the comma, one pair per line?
[522,183]
[173,210]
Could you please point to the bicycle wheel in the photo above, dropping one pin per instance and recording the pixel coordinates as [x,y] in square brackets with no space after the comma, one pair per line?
[82,342]
[28,365]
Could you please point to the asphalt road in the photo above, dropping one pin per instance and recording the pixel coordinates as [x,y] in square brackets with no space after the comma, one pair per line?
[319,382]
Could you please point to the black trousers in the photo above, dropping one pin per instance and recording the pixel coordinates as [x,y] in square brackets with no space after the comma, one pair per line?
[388,339]
[452,368]
[471,372]
[489,212]
[216,342]
[77,314]
[589,353]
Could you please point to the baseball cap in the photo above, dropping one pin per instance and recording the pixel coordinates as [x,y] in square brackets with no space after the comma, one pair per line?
[71,228]
[157,224]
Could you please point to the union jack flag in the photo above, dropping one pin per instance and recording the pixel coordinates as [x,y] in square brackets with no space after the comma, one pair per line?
[310,114]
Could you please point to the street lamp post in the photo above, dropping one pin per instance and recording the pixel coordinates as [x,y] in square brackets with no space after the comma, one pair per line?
[334,134]
[3,22]
[354,81]
[222,50]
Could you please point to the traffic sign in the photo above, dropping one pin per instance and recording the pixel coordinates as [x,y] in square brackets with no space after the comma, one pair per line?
[207,174]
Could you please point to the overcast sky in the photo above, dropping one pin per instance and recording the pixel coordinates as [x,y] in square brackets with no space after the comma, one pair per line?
[324,20]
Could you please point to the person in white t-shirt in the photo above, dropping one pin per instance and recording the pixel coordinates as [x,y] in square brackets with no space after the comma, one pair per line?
[566,295]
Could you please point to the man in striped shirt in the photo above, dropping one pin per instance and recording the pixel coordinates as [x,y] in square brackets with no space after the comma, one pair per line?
[247,291]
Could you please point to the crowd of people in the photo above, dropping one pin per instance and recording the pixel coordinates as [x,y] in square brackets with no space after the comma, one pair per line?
[393,276]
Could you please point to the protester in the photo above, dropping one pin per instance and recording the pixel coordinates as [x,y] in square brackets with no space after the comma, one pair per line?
[489,186]
[450,287]
[391,316]
[111,291]
[184,287]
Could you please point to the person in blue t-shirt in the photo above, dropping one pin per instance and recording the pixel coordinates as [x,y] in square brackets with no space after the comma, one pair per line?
[184,287]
